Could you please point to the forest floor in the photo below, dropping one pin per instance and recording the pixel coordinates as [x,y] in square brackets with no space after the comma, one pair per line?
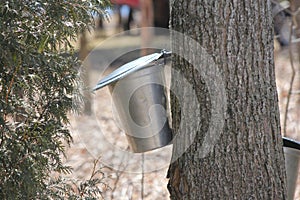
[142,176]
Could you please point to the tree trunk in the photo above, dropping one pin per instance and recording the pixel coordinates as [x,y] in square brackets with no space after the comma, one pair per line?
[244,160]
[147,21]
[83,53]
[161,13]
[295,6]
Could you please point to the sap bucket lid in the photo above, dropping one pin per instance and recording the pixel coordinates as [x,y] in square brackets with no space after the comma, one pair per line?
[287,142]
[131,67]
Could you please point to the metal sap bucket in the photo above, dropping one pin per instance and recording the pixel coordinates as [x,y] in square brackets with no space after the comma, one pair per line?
[291,150]
[139,95]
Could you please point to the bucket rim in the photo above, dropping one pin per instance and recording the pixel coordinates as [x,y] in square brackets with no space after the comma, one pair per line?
[131,67]
[288,142]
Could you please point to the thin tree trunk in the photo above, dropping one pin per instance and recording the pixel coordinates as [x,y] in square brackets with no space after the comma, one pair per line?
[147,21]
[161,13]
[295,7]
[246,162]
[83,53]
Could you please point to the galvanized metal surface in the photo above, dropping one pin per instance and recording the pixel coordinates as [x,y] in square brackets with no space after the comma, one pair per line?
[292,161]
[140,100]
[139,95]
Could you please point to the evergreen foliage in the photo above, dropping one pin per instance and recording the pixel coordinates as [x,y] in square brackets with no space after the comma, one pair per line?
[39,73]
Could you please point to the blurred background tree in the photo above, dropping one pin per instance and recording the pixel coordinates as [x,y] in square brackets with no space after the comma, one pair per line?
[38,81]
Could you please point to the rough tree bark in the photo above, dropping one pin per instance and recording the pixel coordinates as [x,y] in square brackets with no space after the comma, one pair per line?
[247,160]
